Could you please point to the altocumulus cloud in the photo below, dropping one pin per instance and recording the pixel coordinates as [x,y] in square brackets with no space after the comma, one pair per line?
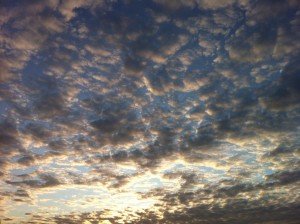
[150,111]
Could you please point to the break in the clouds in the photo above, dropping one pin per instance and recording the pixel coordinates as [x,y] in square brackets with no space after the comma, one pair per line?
[164,111]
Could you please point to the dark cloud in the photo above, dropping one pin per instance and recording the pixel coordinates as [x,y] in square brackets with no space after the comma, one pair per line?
[106,125]
[9,130]
[285,177]
[44,180]
[282,150]
[234,213]
[26,160]
[22,193]
[49,101]
[58,145]
[133,65]
[8,137]
[38,131]
[266,10]
[287,91]
[49,104]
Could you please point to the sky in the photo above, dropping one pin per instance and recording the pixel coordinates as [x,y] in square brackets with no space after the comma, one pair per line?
[150,111]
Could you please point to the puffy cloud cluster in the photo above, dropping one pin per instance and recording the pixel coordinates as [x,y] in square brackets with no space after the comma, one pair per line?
[149,112]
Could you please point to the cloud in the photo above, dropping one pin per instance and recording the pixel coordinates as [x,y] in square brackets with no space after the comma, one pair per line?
[68,9]
[32,29]
[202,4]
[282,150]
[268,10]
[287,90]
[26,160]
[9,142]
[258,45]
[45,180]
[22,193]
[285,177]
[262,41]
[168,111]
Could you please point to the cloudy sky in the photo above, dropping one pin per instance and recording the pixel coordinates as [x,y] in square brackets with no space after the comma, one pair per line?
[140,111]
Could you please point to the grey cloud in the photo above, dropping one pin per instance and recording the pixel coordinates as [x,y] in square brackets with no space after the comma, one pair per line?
[111,176]
[26,160]
[265,10]
[159,80]
[44,180]
[133,65]
[31,30]
[49,180]
[287,90]
[283,149]
[175,5]
[9,141]
[152,42]
[58,145]
[47,96]
[285,177]
[106,125]
[119,136]
[50,104]
[118,122]
[22,193]
[38,131]
[3,163]
[235,209]
[8,132]
[259,44]
[254,41]
[201,4]
[236,212]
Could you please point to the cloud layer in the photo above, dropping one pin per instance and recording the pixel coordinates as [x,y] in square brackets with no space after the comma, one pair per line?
[149,111]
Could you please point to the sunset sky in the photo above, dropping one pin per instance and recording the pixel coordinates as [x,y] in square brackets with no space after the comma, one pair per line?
[140,111]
